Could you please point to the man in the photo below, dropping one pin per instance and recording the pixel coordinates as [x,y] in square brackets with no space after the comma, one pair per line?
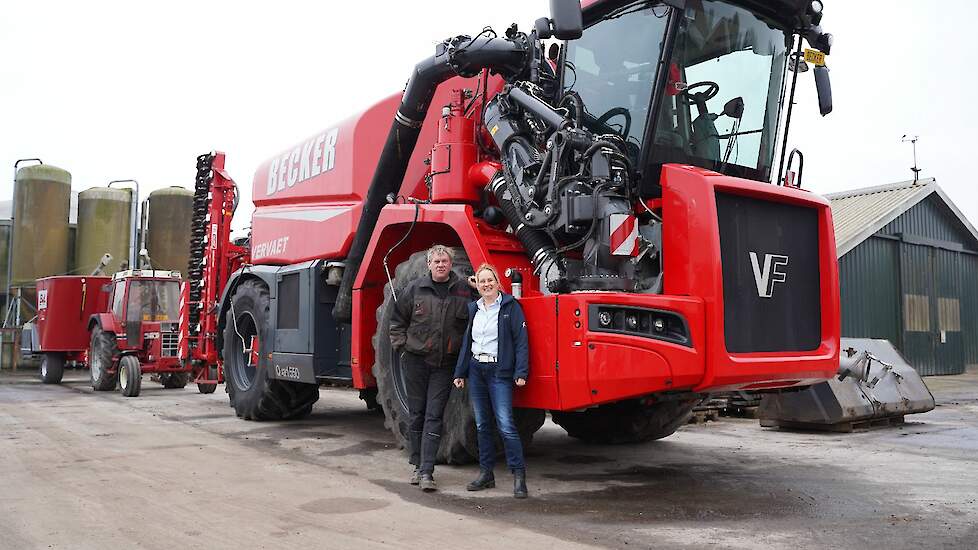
[427,326]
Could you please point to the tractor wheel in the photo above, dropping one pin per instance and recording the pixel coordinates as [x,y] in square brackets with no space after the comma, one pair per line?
[631,421]
[100,352]
[208,388]
[130,376]
[174,380]
[251,392]
[459,444]
[52,368]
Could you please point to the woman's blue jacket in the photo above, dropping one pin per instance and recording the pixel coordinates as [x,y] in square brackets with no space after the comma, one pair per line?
[513,355]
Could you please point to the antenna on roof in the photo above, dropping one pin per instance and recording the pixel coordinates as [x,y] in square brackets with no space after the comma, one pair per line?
[913,140]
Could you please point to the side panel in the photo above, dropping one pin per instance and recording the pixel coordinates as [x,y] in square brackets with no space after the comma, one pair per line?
[691,253]
[306,344]
[65,305]
[308,198]
[303,323]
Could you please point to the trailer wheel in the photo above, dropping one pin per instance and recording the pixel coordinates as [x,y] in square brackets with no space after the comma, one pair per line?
[101,349]
[52,368]
[174,380]
[251,392]
[130,376]
[208,388]
[459,444]
[629,421]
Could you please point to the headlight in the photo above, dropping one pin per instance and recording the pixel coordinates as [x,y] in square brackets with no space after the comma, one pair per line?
[604,318]
[631,321]
[816,7]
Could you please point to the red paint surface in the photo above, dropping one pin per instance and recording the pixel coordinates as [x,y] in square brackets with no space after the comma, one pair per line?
[71,302]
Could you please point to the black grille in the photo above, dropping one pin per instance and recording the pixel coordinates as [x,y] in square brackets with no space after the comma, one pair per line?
[771,277]
[288,301]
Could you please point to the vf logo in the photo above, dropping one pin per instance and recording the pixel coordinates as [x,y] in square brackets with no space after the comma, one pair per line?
[769,273]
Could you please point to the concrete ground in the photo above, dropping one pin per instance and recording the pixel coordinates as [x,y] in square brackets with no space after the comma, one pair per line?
[175,469]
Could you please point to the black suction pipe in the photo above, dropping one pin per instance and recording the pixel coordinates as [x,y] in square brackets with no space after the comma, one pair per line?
[461,56]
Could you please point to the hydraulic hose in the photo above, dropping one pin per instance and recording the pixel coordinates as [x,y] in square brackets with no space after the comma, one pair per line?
[462,56]
[537,243]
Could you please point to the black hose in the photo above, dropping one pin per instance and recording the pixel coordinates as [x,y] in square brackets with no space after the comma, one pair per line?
[461,56]
[537,243]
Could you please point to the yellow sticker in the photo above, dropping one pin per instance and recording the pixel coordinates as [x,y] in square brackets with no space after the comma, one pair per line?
[494,130]
[814,57]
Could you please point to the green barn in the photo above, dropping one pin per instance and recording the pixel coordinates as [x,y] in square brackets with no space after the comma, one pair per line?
[908,272]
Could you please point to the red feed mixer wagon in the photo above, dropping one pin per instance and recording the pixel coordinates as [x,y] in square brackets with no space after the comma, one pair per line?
[120,327]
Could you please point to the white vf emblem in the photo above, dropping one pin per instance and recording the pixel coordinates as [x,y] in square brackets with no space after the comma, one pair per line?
[766,275]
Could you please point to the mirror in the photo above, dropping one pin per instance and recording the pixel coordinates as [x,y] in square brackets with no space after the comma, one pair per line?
[542,26]
[734,108]
[568,22]
[824,88]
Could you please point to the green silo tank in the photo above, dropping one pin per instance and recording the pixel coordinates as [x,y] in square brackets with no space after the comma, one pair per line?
[42,195]
[103,228]
[168,228]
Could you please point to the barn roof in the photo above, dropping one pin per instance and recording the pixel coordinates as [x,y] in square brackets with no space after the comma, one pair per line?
[860,213]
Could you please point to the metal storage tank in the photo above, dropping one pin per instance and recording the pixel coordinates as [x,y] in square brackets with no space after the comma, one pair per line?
[42,196]
[168,228]
[103,227]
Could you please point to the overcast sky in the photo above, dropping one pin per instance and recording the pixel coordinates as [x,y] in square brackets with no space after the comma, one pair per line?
[113,90]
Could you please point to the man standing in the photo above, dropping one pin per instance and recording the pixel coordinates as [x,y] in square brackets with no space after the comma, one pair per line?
[427,326]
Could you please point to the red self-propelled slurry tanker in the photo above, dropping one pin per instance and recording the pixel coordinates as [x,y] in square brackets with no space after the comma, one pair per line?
[622,180]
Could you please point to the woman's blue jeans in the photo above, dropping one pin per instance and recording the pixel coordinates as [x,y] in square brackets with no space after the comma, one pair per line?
[493,397]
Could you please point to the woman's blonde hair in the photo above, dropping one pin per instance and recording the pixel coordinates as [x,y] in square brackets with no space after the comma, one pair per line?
[490,268]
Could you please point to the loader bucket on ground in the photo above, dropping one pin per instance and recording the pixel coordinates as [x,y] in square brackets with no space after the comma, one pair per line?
[853,402]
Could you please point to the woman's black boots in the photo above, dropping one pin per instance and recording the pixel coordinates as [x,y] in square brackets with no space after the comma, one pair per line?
[519,484]
[485,481]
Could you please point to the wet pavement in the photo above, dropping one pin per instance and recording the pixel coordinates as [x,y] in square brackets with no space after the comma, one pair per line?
[173,468]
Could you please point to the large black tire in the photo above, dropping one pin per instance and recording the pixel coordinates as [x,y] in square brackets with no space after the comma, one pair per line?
[251,392]
[102,347]
[174,380]
[52,368]
[632,421]
[459,444]
[130,376]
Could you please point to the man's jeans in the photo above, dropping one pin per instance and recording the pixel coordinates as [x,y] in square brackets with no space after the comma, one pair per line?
[492,396]
[427,394]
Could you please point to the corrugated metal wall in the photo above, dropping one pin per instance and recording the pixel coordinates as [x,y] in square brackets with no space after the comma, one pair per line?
[870,290]
[969,308]
[922,296]
[930,218]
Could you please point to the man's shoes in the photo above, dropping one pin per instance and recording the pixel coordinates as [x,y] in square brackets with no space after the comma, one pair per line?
[416,476]
[519,484]
[485,481]
[427,483]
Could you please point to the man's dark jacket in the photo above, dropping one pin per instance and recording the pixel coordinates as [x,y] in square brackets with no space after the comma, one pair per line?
[513,355]
[427,325]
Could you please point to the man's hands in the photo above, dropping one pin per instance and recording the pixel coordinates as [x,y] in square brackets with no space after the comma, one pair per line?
[521,382]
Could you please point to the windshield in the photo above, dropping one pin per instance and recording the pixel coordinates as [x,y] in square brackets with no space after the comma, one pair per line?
[723,96]
[613,67]
[153,301]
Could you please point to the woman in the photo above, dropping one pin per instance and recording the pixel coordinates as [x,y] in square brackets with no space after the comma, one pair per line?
[494,356]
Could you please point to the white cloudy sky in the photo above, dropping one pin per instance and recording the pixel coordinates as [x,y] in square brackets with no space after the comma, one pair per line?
[112,90]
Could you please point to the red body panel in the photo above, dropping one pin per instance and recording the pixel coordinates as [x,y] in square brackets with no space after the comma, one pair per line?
[690,214]
[300,216]
[65,305]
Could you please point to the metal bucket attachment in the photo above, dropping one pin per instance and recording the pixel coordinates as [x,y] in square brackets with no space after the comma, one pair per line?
[875,387]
